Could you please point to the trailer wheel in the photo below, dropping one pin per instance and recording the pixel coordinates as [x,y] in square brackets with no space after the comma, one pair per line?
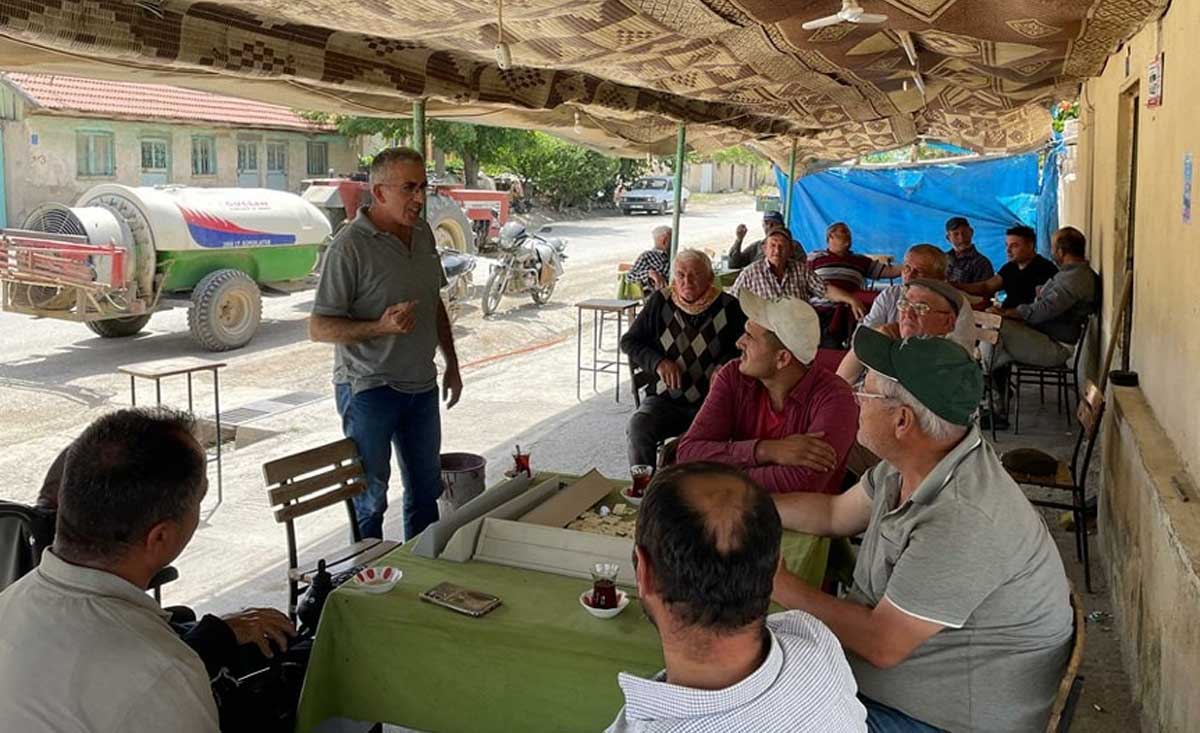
[226,309]
[116,328]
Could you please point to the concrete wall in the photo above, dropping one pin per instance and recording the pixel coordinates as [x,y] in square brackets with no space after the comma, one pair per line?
[1152,439]
[725,177]
[47,170]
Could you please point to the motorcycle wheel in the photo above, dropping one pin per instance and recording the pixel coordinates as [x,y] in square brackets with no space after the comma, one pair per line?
[493,291]
[541,296]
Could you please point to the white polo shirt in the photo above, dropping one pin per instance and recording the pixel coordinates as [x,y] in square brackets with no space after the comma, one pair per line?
[84,650]
[803,685]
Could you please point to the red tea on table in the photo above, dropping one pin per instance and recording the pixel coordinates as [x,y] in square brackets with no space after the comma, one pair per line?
[641,479]
[604,594]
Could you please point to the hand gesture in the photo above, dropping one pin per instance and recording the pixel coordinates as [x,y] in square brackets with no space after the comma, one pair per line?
[669,373]
[260,626]
[806,450]
[741,232]
[399,318]
[857,308]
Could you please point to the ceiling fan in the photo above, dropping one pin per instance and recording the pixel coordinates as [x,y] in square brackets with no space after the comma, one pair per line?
[851,12]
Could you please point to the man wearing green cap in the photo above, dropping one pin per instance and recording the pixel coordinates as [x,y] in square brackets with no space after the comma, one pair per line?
[959,617]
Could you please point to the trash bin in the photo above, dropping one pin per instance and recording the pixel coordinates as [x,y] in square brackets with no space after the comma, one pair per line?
[462,480]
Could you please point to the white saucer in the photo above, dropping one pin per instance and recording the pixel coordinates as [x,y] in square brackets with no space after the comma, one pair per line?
[378,579]
[622,602]
[634,500]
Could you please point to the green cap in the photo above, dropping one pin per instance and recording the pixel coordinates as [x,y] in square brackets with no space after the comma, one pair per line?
[938,372]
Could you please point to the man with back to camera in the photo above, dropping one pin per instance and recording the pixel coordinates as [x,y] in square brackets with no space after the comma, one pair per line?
[706,547]
[379,301]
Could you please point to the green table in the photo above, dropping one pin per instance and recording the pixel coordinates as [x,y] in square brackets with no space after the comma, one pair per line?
[539,662]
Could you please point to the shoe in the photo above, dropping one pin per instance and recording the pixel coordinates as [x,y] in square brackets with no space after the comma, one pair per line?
[986,418]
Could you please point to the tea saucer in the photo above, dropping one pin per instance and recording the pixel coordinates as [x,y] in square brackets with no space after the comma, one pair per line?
[379,579]
[622,601]
[634,500]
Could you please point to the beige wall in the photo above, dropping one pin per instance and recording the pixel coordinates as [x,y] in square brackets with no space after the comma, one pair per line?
[1151,443]
[35,174]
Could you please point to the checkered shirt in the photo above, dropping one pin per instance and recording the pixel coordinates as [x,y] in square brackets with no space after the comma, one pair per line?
[968,267]
[799,281]
[651,259]
[804,685]
[698,345]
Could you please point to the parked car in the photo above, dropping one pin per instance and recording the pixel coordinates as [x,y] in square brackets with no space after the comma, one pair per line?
[653,195]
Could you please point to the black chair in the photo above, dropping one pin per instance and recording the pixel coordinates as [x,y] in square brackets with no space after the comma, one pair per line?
[1070,477]
[1061,377]
[24,532]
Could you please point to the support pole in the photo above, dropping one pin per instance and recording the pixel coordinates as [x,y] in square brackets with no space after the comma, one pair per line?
[418,117]
[791,179]
[680,148]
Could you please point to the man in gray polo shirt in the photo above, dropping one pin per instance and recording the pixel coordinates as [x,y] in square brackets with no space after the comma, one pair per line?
[379,301]
[960,616]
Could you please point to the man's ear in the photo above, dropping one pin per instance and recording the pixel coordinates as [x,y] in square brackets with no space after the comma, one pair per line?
[783,358]
[162,541]
[643,571]
[904,422]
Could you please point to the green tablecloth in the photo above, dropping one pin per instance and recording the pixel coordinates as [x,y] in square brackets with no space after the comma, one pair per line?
[539,662]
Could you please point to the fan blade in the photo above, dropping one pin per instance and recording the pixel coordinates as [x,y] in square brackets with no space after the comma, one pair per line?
[870,18]
[828,20]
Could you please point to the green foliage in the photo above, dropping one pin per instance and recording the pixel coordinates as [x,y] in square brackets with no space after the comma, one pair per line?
[738,155]
[1062,112]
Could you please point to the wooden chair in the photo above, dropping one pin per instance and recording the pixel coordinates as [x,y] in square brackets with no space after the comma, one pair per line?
[987,331]
[1070,687]
[312,480]
[1072,477]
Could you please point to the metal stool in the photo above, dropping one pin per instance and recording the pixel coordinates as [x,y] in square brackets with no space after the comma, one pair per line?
[162,368]
[601,309]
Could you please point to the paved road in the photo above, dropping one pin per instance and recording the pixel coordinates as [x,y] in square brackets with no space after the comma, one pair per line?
[56,376]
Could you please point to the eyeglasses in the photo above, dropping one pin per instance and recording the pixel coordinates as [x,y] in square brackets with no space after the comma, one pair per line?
[860,396]
[921,309]
[407,188]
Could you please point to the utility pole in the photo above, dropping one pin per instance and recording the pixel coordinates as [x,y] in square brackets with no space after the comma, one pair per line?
[680,148]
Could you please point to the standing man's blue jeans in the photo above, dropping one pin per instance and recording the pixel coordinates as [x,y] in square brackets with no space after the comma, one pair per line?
[883,719]
[377,419]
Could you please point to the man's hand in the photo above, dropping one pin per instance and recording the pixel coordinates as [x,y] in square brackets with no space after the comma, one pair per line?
[398,318]
[740,232]
[451,386]
[809,450]
[668,372]
[657,280]
[260,626]
[857,308]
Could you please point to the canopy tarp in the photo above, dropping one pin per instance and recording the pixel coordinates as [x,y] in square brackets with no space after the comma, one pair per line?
[614,74]
[888,209]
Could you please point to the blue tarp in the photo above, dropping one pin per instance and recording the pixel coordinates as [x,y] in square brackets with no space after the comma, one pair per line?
[890,209]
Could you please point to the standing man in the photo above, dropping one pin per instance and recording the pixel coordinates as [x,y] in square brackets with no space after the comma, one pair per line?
[379,301]
[740,256]
[965,263]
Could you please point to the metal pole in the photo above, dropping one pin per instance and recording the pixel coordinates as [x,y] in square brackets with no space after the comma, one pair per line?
[418,117]
[787,199]
[680,148]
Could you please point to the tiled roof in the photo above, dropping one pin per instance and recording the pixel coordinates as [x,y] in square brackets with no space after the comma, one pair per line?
[128,100]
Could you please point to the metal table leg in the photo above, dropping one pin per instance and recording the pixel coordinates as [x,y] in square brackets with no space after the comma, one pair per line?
[578,352]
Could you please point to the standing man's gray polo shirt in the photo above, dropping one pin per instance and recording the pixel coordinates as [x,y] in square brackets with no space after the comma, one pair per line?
[969,552]
[366,270]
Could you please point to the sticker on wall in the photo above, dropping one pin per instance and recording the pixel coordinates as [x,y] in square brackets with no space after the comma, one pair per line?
[1187,188]
[1154,82]
[33,139]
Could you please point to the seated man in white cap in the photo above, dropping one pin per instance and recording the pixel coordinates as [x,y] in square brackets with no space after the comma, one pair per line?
[959,617]
[786,421]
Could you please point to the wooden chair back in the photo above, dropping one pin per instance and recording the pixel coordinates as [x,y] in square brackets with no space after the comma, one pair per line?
[1062,709]
[1091,408]
[987,327]
[311,480]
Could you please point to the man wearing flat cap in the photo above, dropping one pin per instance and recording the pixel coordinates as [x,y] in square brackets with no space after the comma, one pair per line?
[742,256]
[786,421]
[959,617]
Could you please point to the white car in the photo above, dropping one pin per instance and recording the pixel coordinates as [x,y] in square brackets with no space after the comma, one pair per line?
[653,195]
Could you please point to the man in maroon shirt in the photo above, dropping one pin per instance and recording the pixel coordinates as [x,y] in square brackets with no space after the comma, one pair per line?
[787,422]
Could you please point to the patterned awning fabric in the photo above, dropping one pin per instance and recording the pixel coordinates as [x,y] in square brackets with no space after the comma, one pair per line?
[615,74]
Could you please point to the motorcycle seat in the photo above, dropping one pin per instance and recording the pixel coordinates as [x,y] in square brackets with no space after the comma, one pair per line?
[457,264]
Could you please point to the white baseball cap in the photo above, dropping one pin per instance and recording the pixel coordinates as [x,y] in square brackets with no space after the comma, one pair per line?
[792,320]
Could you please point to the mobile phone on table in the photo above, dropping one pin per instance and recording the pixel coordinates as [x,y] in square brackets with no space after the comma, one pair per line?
[463,600]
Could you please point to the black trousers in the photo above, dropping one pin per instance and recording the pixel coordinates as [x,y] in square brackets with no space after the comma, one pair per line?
[655,421]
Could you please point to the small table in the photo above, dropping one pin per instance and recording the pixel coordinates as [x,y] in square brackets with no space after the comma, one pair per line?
[187,365]
[601,308]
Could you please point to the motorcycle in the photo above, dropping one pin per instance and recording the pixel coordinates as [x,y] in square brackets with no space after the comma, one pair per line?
[458,268]
[529,263]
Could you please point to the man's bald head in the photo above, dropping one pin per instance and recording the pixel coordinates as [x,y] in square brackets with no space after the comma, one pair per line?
[711,536]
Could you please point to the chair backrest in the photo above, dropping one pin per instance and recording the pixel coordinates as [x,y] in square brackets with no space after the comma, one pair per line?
[311,480]
[18,555]
[987,327]
[1091,409]
[1064,702]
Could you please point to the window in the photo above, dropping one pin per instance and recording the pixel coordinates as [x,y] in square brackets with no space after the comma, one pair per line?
[204,156]
[276,157]
[95,155]
[318,158]
[155,157]
[247,156]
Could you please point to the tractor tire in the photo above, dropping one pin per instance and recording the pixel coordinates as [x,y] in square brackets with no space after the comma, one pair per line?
[118,328]
[226,309]
[451,227]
